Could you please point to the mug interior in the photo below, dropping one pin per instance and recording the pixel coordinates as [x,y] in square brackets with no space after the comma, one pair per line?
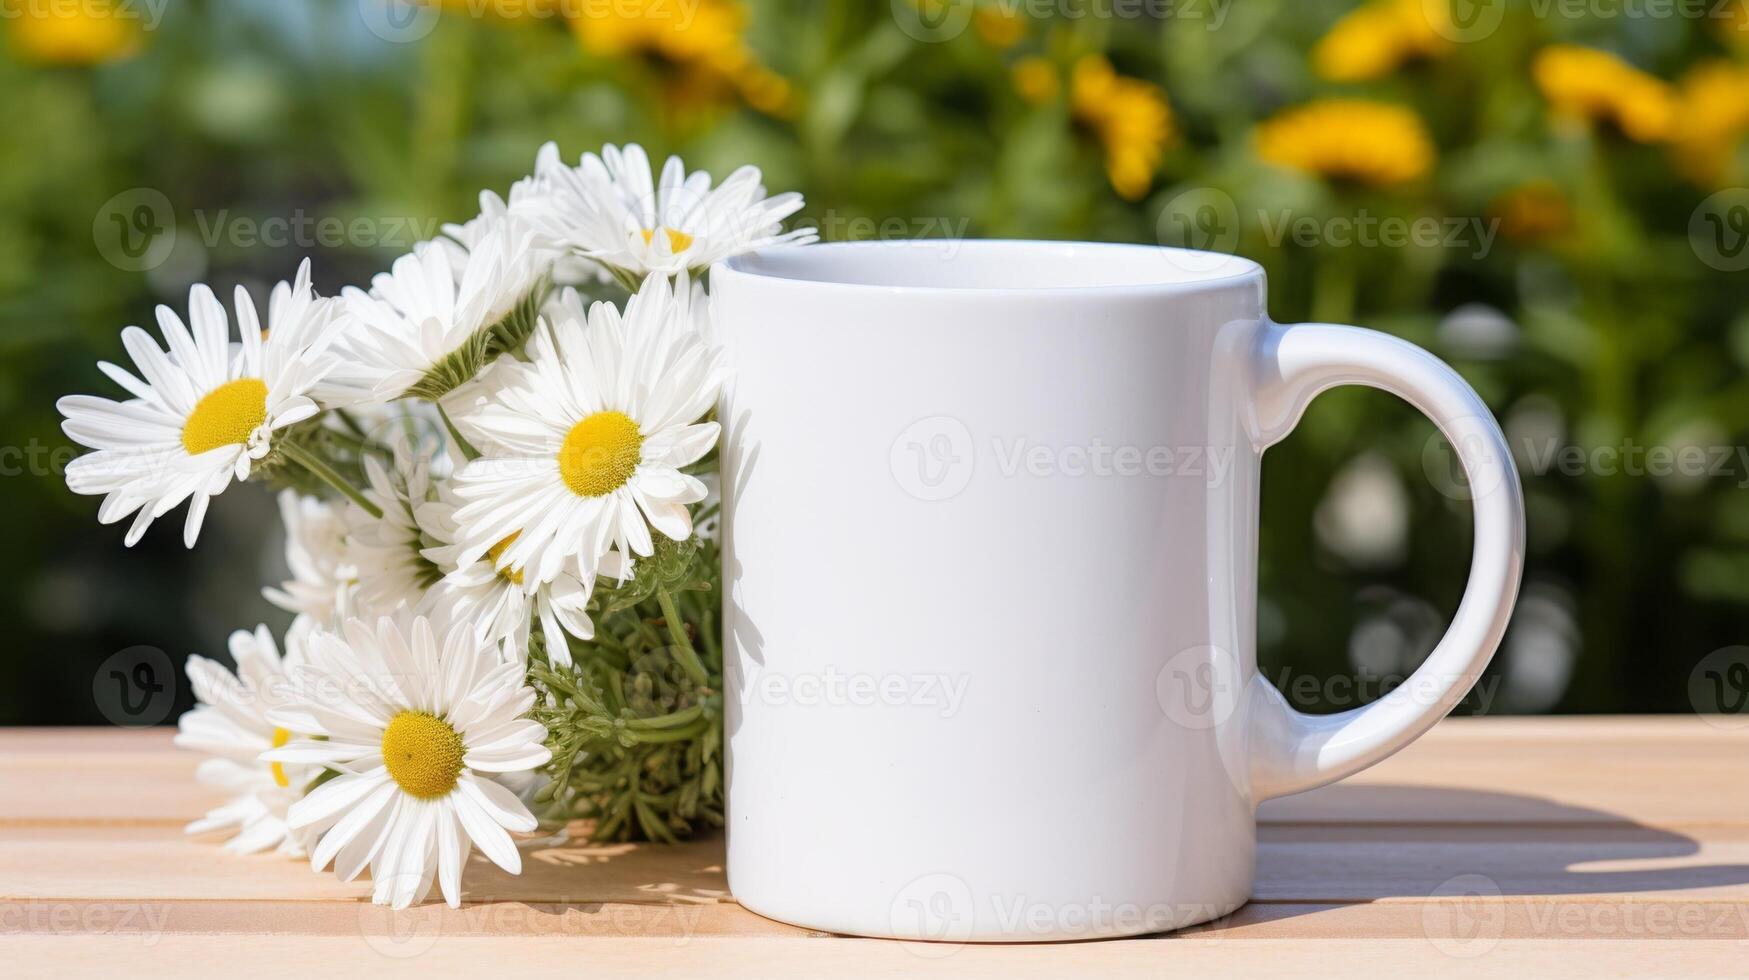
[979,264]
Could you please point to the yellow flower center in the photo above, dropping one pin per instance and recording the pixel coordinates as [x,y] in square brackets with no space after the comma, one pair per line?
[678,241]
[600,453]
[497,551]
[423,754]
[280,737]
[226,416]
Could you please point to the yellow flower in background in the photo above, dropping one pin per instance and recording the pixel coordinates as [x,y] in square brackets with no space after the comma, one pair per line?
[1712,116]
[89,32]
[702,42]
[1000,27]
[1535,211]
[1585,83]
[1348,139]
[1378,38]
[1130,118]
[1036,81]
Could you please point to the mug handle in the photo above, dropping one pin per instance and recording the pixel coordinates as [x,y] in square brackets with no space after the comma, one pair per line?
[1291,364]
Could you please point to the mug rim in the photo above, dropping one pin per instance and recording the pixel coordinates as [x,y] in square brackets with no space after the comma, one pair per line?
[1232,270]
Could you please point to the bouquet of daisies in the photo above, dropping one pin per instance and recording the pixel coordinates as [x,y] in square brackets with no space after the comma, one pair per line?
[499,503]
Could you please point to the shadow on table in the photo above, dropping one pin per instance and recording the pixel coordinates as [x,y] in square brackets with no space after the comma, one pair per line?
[571,868]
[1522,845]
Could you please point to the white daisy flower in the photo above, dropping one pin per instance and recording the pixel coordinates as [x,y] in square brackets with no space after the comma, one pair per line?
[423,729]
[427,327]
[493,211]
[584,443]
[388,551]
[206,411]
[459,238]
[609,209]
[415,427]
[503,603]
[324,578]
[231,724]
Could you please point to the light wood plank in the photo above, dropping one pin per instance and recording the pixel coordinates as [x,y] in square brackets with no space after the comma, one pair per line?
[1457,924]
[1467,770]
[680,921]
[268,957]
[1491,842]
[1295,863]
[122,863]
[1462,924]
[1662,771]
[98,776]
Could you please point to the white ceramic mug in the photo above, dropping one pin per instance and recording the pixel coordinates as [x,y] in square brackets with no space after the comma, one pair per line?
[990,532]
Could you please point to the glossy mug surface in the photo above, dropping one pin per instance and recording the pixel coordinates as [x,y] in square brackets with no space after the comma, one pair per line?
[990,527]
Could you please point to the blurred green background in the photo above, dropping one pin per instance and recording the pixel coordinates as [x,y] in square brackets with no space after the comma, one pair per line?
[1547,195]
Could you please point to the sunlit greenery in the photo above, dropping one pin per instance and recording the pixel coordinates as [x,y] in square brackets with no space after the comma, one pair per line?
[1534,201]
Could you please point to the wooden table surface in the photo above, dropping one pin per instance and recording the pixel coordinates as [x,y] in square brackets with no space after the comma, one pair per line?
[1539,847]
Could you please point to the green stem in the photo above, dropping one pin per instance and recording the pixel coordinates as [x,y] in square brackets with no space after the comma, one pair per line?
[350,441]
[350,422]
[627,279]
[666,721]
[663,735]
[461,442]
[683,651]
[327,474]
